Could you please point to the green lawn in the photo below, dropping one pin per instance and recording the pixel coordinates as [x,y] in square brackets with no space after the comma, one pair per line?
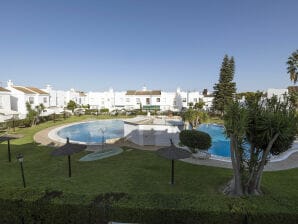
[132,171]
[141,174]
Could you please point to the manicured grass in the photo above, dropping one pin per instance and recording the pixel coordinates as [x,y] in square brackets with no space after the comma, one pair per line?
[131,171]
[141,174]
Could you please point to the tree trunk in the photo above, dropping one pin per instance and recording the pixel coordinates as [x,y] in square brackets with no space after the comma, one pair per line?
[238,182]
[235,186]
[254,186]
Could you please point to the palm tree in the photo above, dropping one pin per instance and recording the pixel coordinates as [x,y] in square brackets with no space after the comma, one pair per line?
[190,116]
[194,117]
[293,66]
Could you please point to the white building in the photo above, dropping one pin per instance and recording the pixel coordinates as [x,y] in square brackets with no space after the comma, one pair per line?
[153,131]
[60,98]
[78,97]
[208,100]
[147,99]
[279,93]
[57,98]
[5,106]
[128,100]
[100,100]
[157,99]
[20,95]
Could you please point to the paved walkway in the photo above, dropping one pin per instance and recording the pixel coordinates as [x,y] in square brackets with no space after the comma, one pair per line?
[288,163]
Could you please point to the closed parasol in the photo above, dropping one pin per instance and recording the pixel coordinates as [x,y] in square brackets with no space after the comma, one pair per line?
[173,153]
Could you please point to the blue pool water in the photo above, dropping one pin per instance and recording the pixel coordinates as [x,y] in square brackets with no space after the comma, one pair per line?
[90,131]
[220,144]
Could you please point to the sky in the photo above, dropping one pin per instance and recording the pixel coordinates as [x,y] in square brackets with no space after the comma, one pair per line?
[162,44]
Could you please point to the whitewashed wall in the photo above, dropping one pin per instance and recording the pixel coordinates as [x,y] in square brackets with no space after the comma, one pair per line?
[158,135]
[277,92]
[5,104]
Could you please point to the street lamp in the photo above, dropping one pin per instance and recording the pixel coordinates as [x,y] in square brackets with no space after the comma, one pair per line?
[103,138]
[20,158]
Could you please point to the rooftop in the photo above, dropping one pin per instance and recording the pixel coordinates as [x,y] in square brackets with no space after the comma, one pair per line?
[29,90]
[34,89]
[23,89]
[3,90]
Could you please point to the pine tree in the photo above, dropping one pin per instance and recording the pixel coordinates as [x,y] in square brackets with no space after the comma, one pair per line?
[225,89]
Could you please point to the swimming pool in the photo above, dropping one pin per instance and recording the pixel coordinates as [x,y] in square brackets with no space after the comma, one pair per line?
[93,132]
[220,143]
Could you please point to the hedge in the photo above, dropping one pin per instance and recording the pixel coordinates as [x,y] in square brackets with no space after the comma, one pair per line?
[56,207]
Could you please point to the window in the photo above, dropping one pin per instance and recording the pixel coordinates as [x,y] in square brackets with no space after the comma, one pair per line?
[195,100]
[1,103]
[147,100]
[158,100]
[138,100]
[31,100]
[45,100]
[183,100]
[175,102]
[127,100]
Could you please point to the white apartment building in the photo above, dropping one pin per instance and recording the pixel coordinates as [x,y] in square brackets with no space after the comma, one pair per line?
[78,97]
[279,93]
[100,100]
[19,95]
[128,100]
[5,106]
[13,98]
[57,98]
[155,99]
[60,98]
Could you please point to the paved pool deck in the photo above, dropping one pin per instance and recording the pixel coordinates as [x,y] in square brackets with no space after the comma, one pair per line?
[289,163]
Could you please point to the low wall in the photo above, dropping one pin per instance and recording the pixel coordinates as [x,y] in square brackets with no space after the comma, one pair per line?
[153,134]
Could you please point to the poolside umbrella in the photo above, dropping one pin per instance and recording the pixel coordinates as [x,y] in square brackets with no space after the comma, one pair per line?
[7,138]
[67,150]
[173,153]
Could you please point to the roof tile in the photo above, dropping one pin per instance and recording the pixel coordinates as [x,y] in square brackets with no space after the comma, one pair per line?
[3,90]
[34,89]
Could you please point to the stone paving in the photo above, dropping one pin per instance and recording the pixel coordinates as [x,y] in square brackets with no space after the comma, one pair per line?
[288,163]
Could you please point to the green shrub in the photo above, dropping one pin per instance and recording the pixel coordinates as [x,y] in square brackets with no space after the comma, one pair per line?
[91,112]
[195,139]
[71,105]
[104,110]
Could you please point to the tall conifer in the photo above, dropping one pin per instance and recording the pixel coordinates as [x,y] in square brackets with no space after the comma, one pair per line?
[225,89]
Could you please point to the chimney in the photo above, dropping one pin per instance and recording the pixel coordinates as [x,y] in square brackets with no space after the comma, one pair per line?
[48,88]
[9,83]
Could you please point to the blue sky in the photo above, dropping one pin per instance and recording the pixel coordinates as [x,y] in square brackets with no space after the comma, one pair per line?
[124,44]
